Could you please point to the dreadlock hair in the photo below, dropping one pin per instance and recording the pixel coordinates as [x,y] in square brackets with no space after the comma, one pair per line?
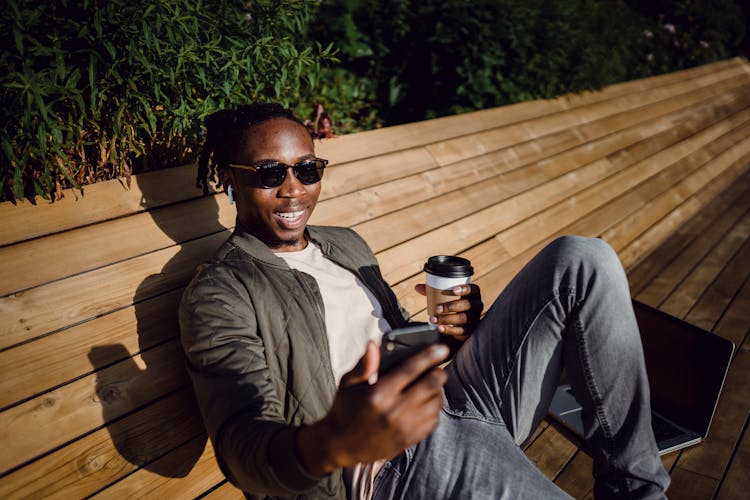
[227,128]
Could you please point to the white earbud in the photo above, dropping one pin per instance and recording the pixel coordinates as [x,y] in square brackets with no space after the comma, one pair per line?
[230,193]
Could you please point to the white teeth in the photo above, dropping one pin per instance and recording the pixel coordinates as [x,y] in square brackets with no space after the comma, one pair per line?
[290,215]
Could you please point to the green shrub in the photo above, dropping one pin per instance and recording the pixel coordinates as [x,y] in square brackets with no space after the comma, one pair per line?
[94,90]
[430,58]
[102,89]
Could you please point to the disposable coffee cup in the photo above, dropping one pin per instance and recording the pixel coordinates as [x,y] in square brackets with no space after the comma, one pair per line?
[442,273]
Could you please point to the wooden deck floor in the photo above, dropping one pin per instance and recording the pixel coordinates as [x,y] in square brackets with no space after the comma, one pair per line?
[701,273]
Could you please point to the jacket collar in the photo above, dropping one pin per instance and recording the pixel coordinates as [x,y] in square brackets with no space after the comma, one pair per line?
[253,246]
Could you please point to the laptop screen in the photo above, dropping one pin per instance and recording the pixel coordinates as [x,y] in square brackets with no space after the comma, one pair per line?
[686,367]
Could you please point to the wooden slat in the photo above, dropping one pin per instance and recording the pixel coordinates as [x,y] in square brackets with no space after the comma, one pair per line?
[694,238]
[657,233]
[73,300]
[378,200]
[737,478]
[550,452]
[178,476]
[93,462]
[711,305]
[619,221]
[735,322]
[517,237]
[136,235]
[690,290]
[225,492]
[476,144]
[405,260]
[576,479]
[55,360]
[656,208]
[54,418]
[101,201]
[463,200]
[343,178]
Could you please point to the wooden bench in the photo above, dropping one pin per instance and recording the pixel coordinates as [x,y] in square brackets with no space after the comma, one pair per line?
[95,399]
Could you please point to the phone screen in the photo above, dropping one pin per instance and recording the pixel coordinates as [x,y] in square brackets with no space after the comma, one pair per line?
[402,343]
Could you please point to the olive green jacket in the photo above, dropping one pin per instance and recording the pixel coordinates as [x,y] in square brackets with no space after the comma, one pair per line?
[253,332]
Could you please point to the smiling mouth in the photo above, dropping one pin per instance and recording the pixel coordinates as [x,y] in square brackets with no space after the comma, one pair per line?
[290,216]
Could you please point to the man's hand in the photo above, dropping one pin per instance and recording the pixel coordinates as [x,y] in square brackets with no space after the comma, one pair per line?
[459,317]
[371,421]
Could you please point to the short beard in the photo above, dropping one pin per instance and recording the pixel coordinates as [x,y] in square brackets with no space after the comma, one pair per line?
[281,245]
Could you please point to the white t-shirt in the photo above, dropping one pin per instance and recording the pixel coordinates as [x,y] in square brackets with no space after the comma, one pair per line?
[352,313]
[353,316]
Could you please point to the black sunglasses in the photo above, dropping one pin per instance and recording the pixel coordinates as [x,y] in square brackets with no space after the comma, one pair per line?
[272,173]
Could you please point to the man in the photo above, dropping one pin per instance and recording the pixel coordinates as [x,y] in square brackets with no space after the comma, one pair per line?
[280,334]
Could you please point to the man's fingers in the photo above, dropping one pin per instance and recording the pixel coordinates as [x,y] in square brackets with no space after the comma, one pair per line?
[428,387]
[465,290]
[457,332]
[461,305]
[421,289]
[418,407]
[410,370]
[452,319]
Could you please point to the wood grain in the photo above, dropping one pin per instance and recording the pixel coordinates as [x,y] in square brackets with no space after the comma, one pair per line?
[735,483]
[682,299]
[182,480]
[695,238]
[225,492]
[54,360]
[53,306]
[93,462]
[57,417]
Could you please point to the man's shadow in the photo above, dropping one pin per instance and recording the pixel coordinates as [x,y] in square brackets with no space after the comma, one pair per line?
[144,436]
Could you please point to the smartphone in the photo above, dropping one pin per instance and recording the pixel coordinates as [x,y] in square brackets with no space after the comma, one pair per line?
[402,343]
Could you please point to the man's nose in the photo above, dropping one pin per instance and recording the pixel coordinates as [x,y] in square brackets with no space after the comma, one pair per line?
[291,187]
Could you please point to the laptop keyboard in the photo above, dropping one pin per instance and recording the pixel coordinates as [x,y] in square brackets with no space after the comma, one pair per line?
[663,430]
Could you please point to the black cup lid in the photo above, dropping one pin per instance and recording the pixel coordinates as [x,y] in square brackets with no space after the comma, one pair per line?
[448,266]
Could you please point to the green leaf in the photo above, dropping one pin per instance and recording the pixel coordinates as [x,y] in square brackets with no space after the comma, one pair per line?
[98,22]
[110,48]
[18,40]
[73,78]
[18,183]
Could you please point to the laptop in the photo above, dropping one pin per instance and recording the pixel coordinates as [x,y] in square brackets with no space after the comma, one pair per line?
[686,368]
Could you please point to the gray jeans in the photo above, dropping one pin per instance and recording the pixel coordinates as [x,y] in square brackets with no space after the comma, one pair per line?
[569,307]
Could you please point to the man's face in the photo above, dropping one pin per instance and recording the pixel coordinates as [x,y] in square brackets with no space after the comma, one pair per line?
[277,216]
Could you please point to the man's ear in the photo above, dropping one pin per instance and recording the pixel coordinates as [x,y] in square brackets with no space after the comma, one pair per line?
[227,179]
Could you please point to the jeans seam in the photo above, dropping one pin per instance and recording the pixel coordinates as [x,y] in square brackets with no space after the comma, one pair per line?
[609,445]
[517,349]
[380,478]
